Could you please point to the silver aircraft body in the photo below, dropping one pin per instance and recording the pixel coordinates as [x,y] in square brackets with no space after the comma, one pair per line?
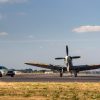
[69,67]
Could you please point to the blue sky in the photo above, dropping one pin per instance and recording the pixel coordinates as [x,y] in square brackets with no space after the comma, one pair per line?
[39,30]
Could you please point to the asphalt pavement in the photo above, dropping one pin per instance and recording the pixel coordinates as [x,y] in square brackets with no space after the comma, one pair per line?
[50,78]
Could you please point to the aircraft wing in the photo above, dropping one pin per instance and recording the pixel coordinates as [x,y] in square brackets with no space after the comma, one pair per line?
[85,67]
[48,66]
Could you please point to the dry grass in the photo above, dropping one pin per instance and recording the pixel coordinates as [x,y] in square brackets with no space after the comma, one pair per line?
[49,91]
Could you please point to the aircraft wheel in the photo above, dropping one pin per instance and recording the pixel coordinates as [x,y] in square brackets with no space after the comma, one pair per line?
[61,74]
[75,73]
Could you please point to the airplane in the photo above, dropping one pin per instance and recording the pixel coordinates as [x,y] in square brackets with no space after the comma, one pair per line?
[6,72]
[69,67]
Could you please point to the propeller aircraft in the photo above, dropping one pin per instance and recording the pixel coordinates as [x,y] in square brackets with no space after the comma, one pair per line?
[69,67]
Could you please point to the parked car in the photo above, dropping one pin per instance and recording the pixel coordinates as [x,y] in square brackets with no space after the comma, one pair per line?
[10,73]
[5,71]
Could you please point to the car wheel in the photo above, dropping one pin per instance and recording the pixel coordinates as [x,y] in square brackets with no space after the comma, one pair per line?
[0,74]
[12,75]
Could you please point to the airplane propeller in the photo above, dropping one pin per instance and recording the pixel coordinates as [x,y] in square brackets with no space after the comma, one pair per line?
[75,57]
[67,54]
[59,58]
[67,50]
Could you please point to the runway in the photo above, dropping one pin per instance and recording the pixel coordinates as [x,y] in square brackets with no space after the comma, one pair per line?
[50,78]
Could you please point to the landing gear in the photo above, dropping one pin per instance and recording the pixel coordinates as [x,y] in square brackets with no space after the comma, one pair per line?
[75,73]
[61,72]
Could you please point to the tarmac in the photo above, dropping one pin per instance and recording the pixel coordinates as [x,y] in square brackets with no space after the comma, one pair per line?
[50,78]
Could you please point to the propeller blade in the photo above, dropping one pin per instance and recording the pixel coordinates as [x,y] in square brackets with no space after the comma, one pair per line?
[59,58]
[75,57]
[67,50]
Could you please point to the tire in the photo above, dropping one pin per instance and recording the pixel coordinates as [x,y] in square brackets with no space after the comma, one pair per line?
[61,74]
[0,74]
[12,75]
[75,73]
